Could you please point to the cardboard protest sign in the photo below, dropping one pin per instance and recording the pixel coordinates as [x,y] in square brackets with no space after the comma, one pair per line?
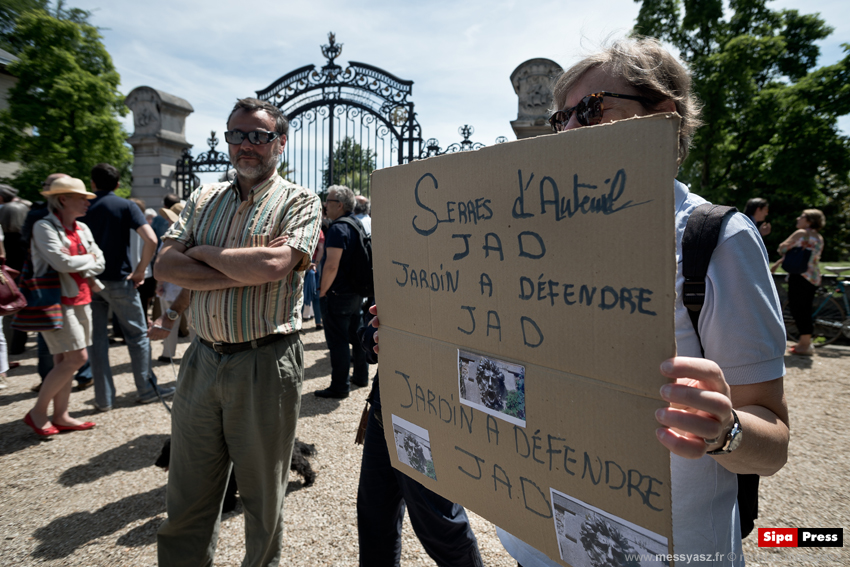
[526,294]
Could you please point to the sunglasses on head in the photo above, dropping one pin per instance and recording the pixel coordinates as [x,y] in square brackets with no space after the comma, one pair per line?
[256,137]
[589,110]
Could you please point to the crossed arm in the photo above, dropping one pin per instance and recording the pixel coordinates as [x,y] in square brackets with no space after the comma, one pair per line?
[204,268]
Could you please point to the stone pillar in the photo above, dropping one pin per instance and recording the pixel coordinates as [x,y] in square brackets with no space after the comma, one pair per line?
[533,81]
[158,141]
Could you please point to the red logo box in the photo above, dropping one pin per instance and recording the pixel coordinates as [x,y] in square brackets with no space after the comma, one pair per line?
[777,537]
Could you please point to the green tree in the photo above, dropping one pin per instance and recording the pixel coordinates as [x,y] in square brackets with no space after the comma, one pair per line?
[285,171]
[353,165]
[770,116]
[10,10]
[515,404]
[62,113]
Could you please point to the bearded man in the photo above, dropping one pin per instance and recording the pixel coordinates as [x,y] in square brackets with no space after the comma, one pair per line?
[241,247]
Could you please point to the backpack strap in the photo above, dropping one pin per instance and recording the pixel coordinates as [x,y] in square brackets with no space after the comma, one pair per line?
[354,222]
[698,243]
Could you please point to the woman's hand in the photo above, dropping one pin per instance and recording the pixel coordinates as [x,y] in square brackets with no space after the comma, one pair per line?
[700,407]
[375,323]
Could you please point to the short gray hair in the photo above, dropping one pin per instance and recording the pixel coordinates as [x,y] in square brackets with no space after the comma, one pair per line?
[54,204]
[345,196]
[362,205]
[648,68]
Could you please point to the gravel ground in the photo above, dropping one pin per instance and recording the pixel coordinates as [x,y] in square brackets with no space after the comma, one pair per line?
[94,498]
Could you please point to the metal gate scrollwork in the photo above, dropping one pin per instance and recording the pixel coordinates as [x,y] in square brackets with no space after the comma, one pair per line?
[432,145]
[344,122]
[209,161]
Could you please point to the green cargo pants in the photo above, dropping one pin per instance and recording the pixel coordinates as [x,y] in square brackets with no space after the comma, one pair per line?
[243,408]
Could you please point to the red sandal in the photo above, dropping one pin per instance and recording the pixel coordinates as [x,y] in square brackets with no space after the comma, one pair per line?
[47,431]
[794,350]
[80,427]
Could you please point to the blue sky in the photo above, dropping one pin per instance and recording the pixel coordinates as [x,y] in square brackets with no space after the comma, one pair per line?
[459,54]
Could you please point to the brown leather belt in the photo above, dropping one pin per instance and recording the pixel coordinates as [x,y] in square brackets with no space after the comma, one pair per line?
[232,348]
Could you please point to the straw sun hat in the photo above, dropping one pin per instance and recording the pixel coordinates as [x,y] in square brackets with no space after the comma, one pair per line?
[172,214]
[68,186]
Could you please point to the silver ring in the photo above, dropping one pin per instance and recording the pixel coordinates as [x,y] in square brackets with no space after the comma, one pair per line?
[711,441]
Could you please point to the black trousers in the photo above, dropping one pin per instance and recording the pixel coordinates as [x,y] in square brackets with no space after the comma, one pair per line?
[382,495]
[341,315]
[801,295]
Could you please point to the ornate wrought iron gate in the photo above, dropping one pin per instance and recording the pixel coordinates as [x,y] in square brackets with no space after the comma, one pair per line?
[209,161]
[343,124]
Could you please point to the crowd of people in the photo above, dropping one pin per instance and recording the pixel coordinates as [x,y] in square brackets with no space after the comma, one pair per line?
[251,258]
[102,247]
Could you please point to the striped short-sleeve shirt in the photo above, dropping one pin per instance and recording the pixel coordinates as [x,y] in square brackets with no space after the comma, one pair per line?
[215,215]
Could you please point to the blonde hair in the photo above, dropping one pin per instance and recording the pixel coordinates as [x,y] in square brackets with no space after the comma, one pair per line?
[648,68]
[54,204]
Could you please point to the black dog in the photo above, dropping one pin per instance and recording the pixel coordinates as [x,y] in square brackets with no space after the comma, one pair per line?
[299,464]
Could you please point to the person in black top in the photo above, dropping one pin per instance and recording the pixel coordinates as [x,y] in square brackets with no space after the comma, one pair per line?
[111,219]
[341,305]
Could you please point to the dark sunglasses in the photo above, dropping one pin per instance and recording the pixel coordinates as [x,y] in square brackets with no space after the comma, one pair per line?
[256,137]
[589,110]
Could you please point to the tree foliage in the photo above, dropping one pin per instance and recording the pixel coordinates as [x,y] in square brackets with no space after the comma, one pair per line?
[353,165]
[770,116]
[515,404]
[62,113]
[10,10]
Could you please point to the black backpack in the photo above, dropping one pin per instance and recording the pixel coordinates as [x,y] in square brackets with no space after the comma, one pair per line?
[698,244]
[360,264]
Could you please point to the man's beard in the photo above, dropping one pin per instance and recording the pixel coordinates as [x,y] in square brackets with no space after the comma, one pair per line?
[254,172]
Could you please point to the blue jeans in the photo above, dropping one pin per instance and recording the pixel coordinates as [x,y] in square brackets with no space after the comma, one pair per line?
[341,315]
[124,300]
[317,303]
[45,363]
[382,495]
[309,287]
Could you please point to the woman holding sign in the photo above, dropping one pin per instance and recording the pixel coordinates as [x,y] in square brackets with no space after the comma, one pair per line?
[727,412]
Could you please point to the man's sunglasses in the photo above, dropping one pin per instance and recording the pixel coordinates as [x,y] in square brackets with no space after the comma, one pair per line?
[256,137]
[589,110]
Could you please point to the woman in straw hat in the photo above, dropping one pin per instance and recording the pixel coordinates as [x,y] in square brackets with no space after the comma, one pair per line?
[67,246]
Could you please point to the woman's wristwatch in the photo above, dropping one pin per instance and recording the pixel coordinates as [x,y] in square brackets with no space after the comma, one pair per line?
[171,314]
[733,438]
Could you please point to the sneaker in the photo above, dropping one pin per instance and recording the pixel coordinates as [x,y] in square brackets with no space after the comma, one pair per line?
[85,384]
[3,384]
[328,393]
[151,396]
[102,409]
